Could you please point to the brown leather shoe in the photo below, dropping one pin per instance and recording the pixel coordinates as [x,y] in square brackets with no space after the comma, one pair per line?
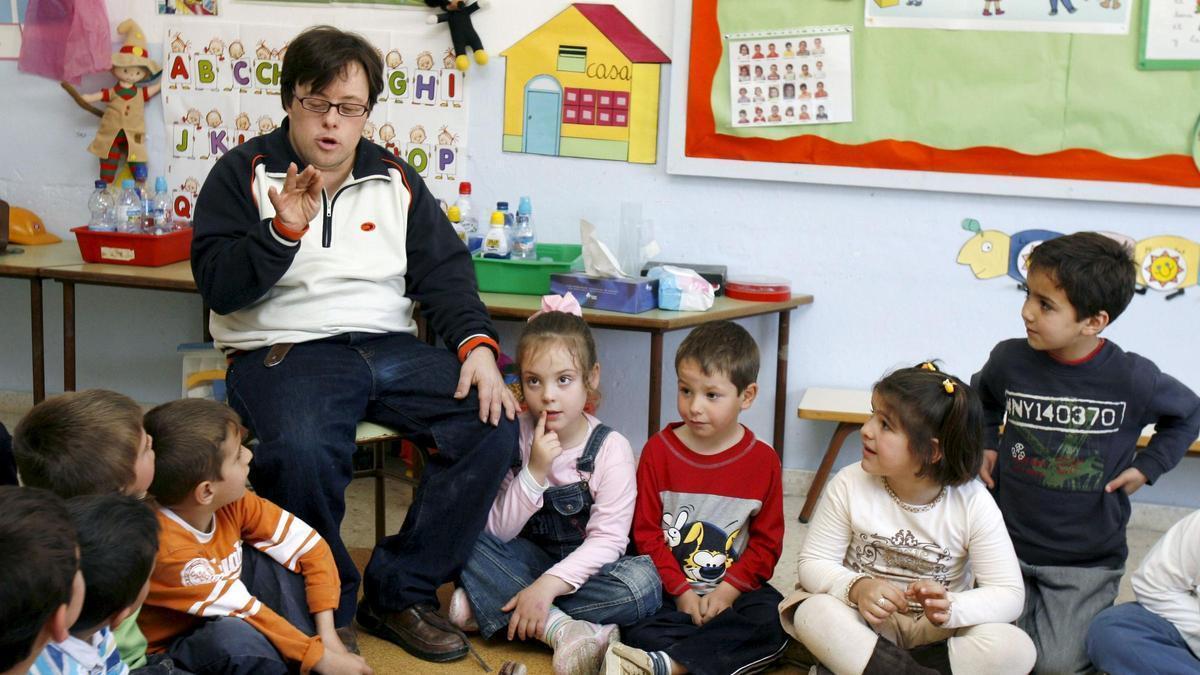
[418,629]
[349,637]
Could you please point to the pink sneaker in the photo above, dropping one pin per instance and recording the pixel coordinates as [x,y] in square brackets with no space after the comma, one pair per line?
[460,613]
[580,647]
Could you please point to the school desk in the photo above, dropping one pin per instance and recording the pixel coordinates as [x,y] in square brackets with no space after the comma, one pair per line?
[28,264]
[178,277]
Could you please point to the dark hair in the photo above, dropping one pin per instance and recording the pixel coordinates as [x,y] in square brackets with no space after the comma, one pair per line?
[188,434]
[568,330]
[322,53]
[1096,272]
[80,443]
[722,347]
[38,562]
[929,404]
[118,540]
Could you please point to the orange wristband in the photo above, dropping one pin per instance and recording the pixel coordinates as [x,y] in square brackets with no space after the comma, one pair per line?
[287,232]
[478,341]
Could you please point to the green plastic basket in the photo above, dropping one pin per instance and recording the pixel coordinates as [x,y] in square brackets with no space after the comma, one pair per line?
[528,277]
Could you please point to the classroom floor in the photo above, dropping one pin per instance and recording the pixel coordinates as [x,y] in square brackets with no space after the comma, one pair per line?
[358,531]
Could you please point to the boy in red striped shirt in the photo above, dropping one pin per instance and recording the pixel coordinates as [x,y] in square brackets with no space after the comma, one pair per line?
[710,514]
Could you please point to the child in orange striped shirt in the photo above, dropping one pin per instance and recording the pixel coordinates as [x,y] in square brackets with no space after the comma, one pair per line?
[210,608]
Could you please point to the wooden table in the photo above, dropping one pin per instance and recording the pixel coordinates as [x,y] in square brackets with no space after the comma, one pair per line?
[178,277]
[28,264]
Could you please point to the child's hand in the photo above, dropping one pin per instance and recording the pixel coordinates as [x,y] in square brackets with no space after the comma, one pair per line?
[876,599]
[545,448]
[720,599]
[987,467]
[530,607]
[932,597]
[1129,480]
[324,623]
[342,663]
[689,603]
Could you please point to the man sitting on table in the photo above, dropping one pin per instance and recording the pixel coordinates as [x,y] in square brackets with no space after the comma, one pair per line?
[311,246]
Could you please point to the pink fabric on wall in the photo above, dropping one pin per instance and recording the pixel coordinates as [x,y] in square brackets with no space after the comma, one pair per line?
[65,39]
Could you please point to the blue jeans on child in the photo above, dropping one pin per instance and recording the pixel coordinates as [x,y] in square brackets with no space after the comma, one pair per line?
[303,410]
[229,646]
[622,592]
[1131,639]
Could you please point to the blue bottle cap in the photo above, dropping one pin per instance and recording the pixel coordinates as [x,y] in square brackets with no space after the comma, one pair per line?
[101,185]
[127,184]
[501,206]
[140,172]
[160,184]
[525,207]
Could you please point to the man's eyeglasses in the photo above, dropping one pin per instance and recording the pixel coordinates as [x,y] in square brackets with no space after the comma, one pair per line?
[320,105]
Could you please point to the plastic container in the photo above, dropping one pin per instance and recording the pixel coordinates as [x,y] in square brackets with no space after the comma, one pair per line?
[523,244]
[158,211]
[134,248]
[454,215]
[528,277]
[496,241]
[129,208]
[759,288]
[469,221]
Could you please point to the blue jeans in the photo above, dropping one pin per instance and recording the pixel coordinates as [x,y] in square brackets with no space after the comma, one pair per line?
[303,412]
[622,592]
[1129,638]
[229,646]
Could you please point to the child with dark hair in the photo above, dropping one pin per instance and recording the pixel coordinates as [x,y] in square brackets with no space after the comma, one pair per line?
[1073,406]
[41,585]
[550,564]
[907,550]
[118,539]
[90,443]
[204,608]
[710,515]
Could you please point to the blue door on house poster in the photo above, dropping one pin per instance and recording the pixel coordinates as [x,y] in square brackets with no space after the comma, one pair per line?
[543,116]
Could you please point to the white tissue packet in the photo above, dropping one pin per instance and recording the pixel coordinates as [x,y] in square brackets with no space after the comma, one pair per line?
[682,289]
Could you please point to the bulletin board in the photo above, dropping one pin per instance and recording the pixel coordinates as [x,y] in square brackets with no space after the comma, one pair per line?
[1036,114]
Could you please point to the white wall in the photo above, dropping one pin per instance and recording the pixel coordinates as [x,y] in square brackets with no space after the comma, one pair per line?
[881,263]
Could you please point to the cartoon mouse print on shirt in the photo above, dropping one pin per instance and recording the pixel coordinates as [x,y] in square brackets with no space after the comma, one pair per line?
[704,551]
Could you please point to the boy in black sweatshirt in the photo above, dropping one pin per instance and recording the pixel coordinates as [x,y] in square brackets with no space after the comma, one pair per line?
[1073,405]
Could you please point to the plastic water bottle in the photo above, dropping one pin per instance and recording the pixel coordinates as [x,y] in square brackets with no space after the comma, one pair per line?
[525,244]
[129,208]
[101,204]
[509,221]
[469,222]
[495,242]
[159,210]
[455,216]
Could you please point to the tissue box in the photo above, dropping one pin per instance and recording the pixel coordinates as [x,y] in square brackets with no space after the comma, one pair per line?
[631,296]
[713,274]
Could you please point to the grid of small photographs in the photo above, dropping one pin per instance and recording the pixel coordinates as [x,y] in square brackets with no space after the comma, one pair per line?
[781,79]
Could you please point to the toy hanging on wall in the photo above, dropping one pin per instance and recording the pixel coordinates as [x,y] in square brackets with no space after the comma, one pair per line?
[457,16]
[123,121]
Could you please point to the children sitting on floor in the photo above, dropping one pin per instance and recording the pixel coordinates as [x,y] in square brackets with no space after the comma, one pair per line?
[550,564]
[710,515]
[118,539]
[91,443]
[41,585]
[907,565]
[1073,406]
[240,585]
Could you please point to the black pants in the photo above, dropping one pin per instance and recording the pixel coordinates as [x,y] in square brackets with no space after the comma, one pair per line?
[745,637]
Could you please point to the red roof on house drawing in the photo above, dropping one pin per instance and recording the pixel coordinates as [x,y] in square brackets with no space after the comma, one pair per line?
[620,30]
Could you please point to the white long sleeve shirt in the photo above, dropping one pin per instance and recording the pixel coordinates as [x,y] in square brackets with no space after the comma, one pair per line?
[1169,579]
[960,543]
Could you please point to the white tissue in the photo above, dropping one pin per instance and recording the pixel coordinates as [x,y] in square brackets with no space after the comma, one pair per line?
[598,258]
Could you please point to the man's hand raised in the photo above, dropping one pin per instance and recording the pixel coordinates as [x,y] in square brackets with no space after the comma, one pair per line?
[300,200]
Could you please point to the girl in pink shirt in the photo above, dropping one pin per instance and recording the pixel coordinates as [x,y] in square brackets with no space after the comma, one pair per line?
[550,564]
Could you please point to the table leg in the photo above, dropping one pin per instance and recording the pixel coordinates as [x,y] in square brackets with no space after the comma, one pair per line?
[68,335]
[655,416]
[38,339]
[781,371]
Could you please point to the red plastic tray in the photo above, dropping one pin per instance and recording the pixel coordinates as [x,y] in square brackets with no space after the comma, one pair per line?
[124,248]
[759,288]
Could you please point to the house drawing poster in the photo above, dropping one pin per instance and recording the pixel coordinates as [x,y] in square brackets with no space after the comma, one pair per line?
[1103,17]
[790,77]
[584,84]
[221,88]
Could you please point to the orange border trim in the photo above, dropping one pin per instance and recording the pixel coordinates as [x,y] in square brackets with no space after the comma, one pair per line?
[702,139]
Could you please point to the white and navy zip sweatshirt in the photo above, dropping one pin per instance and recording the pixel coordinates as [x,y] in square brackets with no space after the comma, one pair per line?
[378,245]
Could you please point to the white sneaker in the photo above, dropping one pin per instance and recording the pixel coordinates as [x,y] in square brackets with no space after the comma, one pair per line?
[459,613]
[625,660]
[579,647]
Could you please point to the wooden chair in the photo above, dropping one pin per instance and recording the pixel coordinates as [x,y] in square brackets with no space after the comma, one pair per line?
[373,441]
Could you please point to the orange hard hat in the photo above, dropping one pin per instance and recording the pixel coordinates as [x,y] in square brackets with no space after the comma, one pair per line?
[25,227]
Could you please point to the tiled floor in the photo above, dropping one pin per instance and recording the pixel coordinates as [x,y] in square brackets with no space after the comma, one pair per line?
[358,530]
